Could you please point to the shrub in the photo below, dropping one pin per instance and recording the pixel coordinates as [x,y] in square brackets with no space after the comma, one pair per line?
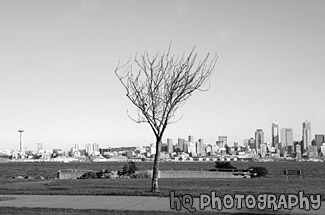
[128,169]
[258,171]
[88,175]
[224,165]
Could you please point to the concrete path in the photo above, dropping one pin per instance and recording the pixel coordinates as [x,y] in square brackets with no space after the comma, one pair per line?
[124,203]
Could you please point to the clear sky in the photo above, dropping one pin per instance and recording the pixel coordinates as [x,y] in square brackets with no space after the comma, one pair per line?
[57,61]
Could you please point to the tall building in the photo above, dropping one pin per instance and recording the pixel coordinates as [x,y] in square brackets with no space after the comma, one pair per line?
[286,137]
[185,146]
[180,143]
[306,135]
[95,147]
[222,141]
[191,139]
[275,135]
[21,148]
[89,149]
[191,147]
[297,149]
[246,141]
[319,140]
[259,138]
[251,143]
[236,144]
[263,149]
[170,145]
[200,147]
[39,147]
[164,147]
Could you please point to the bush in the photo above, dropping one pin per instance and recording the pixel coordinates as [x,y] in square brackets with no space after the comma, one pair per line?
[258,171]
[88,175]
[224,165]
[128,169]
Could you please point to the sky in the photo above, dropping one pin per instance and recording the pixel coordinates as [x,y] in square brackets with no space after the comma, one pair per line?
[57,62]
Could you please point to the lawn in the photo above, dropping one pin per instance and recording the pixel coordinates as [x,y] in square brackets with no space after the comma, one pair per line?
[141,187]
[58,211]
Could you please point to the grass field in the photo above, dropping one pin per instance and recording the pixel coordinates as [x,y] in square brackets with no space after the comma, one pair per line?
[55,211]
[313,182]
[141,187]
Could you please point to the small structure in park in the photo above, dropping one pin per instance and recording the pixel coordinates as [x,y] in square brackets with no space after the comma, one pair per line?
[71,173]
[292,172]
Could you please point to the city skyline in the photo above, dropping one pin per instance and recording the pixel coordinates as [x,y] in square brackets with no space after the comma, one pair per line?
[286,138]
[57,63]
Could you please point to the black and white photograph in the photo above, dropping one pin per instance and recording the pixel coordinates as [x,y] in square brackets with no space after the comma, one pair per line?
[162,107]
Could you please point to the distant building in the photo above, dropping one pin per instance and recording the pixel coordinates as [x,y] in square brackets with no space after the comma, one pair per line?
[251,143]
[246,142]
[75,151]
[219,144]
[180,143]
[306,135]
[259,138]
[191,148]
[289,150]
[89,149]
[170,145]
[77,147]
[200,147]
[152,149]
[275,135]
[263,149]
[235,144]
[191,139]
[286,137]
[298,147]
[312,151]
[104,151]
[164,147]
[39,147]
[185,146]
[322,149]
[222,141]
[57,152]
[319,140]
[228,149]
[95,147]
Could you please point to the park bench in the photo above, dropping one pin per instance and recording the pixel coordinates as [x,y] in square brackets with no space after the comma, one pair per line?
[294,172]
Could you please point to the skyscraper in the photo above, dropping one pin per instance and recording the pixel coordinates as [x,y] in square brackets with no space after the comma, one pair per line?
[251,143]
[170,145]
[222,141]
[259,138]
[286,137]
[306,135]
[200,147]
[95,147]
[319,139]
[191,139]
[89,149]
[39,147]
[275,135]
[180,143]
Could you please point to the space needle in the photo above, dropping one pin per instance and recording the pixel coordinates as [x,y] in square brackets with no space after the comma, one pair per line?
[20,143]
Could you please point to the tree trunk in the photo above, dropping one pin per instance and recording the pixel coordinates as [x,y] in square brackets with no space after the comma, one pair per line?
[154,185]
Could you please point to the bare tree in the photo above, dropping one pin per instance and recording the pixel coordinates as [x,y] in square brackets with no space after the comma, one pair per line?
[159,85]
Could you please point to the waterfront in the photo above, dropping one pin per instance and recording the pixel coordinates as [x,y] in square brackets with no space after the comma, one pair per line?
[49,170]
